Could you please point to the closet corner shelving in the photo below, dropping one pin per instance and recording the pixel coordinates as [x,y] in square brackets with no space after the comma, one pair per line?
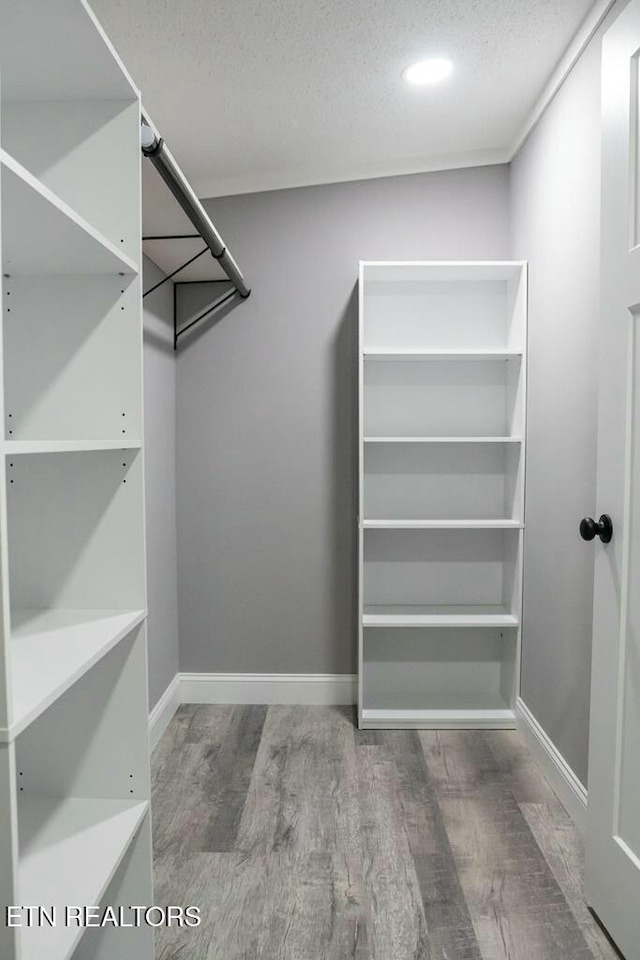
[442,417]
[74,751]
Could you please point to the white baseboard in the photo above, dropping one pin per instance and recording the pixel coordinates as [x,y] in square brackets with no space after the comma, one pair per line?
[162,714]
[271,688]
[570,791]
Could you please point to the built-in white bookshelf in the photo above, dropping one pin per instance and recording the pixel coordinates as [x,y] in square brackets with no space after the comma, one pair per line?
[442,417]
[74,751]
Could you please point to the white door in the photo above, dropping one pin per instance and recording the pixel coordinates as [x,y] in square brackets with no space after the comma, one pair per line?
[613,833]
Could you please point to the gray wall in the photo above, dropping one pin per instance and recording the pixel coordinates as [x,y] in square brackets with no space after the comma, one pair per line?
[555,206]
[266,399]
[266,413]
[160,483]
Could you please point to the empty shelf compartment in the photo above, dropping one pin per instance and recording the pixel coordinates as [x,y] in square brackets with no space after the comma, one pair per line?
[442,306]
[89,346]
[70,849]
[461,569]
[51,649]
[442,481]
[460,398]
[444,671]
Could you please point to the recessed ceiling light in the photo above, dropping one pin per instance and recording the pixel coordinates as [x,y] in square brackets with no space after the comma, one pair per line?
[427,71]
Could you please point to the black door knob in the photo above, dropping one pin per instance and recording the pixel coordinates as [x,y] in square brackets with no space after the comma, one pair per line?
[603,528]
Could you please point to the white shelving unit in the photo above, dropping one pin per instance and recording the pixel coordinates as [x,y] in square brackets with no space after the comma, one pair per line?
[74,751]
[442,416]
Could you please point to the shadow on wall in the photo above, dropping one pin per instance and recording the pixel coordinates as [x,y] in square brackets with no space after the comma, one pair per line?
[158,330]
[344,493]
[157,340]
[157,309]
[194,300]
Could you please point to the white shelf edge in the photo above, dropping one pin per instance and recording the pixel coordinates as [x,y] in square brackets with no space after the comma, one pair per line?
[498,718]
[135,92]
[126,263]
[442,525]
[429,270]
[78,669]
[442,439]
[18,447]
[120,821]
[443,263]
[408,620]
[442,354]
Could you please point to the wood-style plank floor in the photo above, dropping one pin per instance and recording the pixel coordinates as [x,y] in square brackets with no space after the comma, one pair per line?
[302,838]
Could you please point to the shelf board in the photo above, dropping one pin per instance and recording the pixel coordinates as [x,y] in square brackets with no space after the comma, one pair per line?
[442,354]
[442,525]
[52,649]
[69,851]
[437,616]
[442,439]
[490,717]
[18,447]
[398,271]
[45,236]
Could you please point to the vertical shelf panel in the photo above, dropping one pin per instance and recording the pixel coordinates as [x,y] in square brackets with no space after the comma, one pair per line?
[442,400]
[74,756]
[5,604]
[9,891]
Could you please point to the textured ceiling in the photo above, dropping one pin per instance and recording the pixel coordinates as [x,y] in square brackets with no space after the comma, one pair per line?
[260,94]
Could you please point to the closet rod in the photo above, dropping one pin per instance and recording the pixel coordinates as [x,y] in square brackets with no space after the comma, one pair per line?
[154,147]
